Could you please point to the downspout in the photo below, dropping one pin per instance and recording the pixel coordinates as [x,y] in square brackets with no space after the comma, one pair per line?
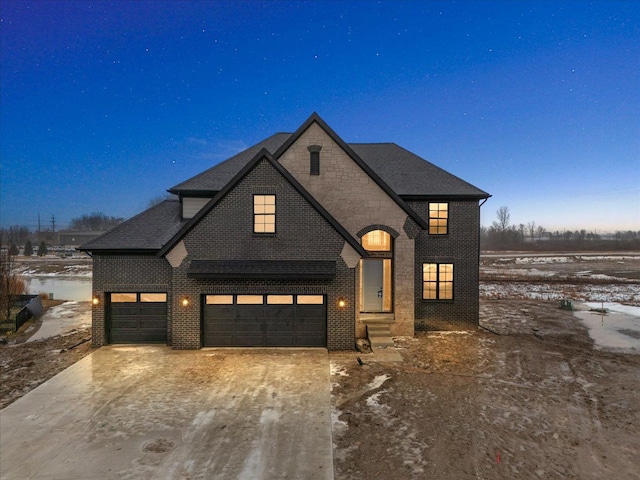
[479,231]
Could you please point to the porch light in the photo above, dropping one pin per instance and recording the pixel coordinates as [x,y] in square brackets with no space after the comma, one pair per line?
[96,299]
[185,301]
[342,302]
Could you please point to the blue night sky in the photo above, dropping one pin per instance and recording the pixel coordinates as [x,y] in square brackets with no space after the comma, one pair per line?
[105,105]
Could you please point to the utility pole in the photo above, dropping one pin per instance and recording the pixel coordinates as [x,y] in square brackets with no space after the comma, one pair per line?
[38,226]
[53,223]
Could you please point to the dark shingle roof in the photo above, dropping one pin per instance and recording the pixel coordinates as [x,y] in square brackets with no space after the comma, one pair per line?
[215,178]
[262,269]
[405,172]
[149,230]
[409,174]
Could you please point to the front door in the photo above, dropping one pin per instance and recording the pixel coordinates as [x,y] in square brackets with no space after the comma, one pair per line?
[372,282]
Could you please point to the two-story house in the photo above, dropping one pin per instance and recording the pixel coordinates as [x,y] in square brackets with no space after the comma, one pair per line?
[299,240]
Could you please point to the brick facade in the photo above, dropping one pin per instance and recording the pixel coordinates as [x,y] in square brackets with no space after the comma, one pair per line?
[226,233]
[126,273]
[353,199]
[460,247]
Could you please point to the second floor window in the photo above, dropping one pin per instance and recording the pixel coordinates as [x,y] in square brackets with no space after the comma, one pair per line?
[264,213]
[438,218]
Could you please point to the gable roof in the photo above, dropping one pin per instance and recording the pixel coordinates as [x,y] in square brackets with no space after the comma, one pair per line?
[410,175]
[395,169]
[315,118]
[215,178]
[144,233]
[261,155]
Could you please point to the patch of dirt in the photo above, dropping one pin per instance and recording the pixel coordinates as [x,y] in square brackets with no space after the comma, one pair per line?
[533,400]
[24,366]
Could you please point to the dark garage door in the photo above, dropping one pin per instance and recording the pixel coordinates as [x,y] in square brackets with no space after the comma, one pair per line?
[138,318]
[264,321]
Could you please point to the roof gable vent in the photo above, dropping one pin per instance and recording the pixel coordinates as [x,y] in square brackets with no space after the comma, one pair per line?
[314,161]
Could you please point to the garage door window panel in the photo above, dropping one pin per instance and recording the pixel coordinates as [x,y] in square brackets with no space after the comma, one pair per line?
[219,300]
[153,297]
[250,300]
[124,297]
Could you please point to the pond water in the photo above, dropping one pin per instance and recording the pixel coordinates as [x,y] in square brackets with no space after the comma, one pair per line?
[63,288]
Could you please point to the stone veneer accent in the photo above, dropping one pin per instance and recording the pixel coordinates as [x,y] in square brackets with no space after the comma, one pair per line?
[357,202]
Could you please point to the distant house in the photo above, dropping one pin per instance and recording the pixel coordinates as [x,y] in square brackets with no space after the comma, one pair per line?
[300,240]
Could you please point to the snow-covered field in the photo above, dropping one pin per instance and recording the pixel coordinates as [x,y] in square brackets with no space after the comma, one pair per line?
[624,293]
[588,278]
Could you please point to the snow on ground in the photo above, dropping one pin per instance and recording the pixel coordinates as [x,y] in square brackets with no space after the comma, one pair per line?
[377,382]
[67,271]
[618,329]
[63,318]
[628,293]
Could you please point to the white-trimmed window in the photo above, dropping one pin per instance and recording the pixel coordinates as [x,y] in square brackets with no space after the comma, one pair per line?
[437,281]
[264,213]
[438,218]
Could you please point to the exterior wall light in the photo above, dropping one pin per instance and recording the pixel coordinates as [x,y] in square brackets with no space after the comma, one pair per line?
[342,302]
[96,299]
[185,301]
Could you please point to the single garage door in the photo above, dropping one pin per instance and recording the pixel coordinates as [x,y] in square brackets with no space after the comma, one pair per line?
[137,318]
[264,321]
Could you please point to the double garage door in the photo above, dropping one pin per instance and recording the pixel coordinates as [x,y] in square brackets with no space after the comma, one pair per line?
[264,321]
[137,318]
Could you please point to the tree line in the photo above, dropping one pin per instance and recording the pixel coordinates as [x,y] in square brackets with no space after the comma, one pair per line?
[17,236]
[502,235]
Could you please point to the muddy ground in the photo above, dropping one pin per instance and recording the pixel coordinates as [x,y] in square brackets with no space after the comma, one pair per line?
[24,366]
[528,398]
[533,400]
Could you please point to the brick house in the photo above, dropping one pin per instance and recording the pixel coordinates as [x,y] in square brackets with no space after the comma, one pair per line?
[300,240]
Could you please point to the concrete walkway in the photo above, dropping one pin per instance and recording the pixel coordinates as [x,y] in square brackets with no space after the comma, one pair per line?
[63,318]
[151,412]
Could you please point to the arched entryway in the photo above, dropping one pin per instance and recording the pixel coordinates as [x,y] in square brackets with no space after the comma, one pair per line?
[376,272]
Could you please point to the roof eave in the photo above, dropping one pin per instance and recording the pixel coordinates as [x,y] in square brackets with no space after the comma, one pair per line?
[119,251]
[417,198]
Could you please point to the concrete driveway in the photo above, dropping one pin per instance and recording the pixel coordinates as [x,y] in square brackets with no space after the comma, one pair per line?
[152,412]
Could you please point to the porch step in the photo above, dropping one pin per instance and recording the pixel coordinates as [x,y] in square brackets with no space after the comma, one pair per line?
[378,328]
[376,318]
[377,342]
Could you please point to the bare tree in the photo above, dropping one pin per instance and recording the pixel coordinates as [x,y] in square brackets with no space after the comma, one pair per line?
[10,284]
[97,221]
[531,228]
[503,216]
[160,198]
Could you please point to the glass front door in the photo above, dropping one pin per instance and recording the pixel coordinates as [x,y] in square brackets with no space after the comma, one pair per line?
[376,284]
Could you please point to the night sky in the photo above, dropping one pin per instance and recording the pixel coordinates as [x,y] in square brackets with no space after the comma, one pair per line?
[105,105]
